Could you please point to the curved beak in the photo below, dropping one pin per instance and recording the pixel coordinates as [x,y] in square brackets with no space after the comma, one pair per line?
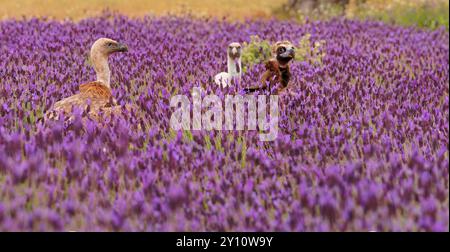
[121,48]
[290,53]
[234,53]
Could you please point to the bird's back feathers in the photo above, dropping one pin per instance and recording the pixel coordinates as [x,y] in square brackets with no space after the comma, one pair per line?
[95,90]
[93,94]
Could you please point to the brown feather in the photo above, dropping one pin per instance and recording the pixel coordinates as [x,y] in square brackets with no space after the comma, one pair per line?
[98,94]
[272,76]
[95,89]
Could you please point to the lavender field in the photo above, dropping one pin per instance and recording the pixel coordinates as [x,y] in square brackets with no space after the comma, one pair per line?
[362,146]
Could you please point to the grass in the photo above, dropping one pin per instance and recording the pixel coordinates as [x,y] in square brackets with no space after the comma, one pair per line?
[425,14]
[62,9]
[430,14]
[421,13]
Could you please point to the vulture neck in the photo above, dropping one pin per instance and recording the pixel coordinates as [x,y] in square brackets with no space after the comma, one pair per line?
[234,67]
[101,66]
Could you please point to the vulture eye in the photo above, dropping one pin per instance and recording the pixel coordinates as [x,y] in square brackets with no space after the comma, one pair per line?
[281,50]
[109,44]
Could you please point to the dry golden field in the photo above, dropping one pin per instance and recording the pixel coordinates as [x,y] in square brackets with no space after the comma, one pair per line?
[61,9]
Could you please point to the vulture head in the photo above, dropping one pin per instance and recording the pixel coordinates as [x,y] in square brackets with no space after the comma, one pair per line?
[106,46]
[234,50]
[283,51]
[100,51]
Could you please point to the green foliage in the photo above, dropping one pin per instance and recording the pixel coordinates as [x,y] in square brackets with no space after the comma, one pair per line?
[255,52]
[423,14]
[310,52]
[258,51]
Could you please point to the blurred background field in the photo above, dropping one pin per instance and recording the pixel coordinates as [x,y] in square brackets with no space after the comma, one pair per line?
[422,13]
[235,9]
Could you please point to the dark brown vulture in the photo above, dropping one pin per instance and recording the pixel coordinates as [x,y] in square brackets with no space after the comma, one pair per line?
[277,72]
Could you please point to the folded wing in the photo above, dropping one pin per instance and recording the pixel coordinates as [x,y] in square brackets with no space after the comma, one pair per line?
[92,94]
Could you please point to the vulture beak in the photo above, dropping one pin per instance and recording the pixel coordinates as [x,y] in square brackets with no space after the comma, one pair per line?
[234,51]
[290,53]
[121,48]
